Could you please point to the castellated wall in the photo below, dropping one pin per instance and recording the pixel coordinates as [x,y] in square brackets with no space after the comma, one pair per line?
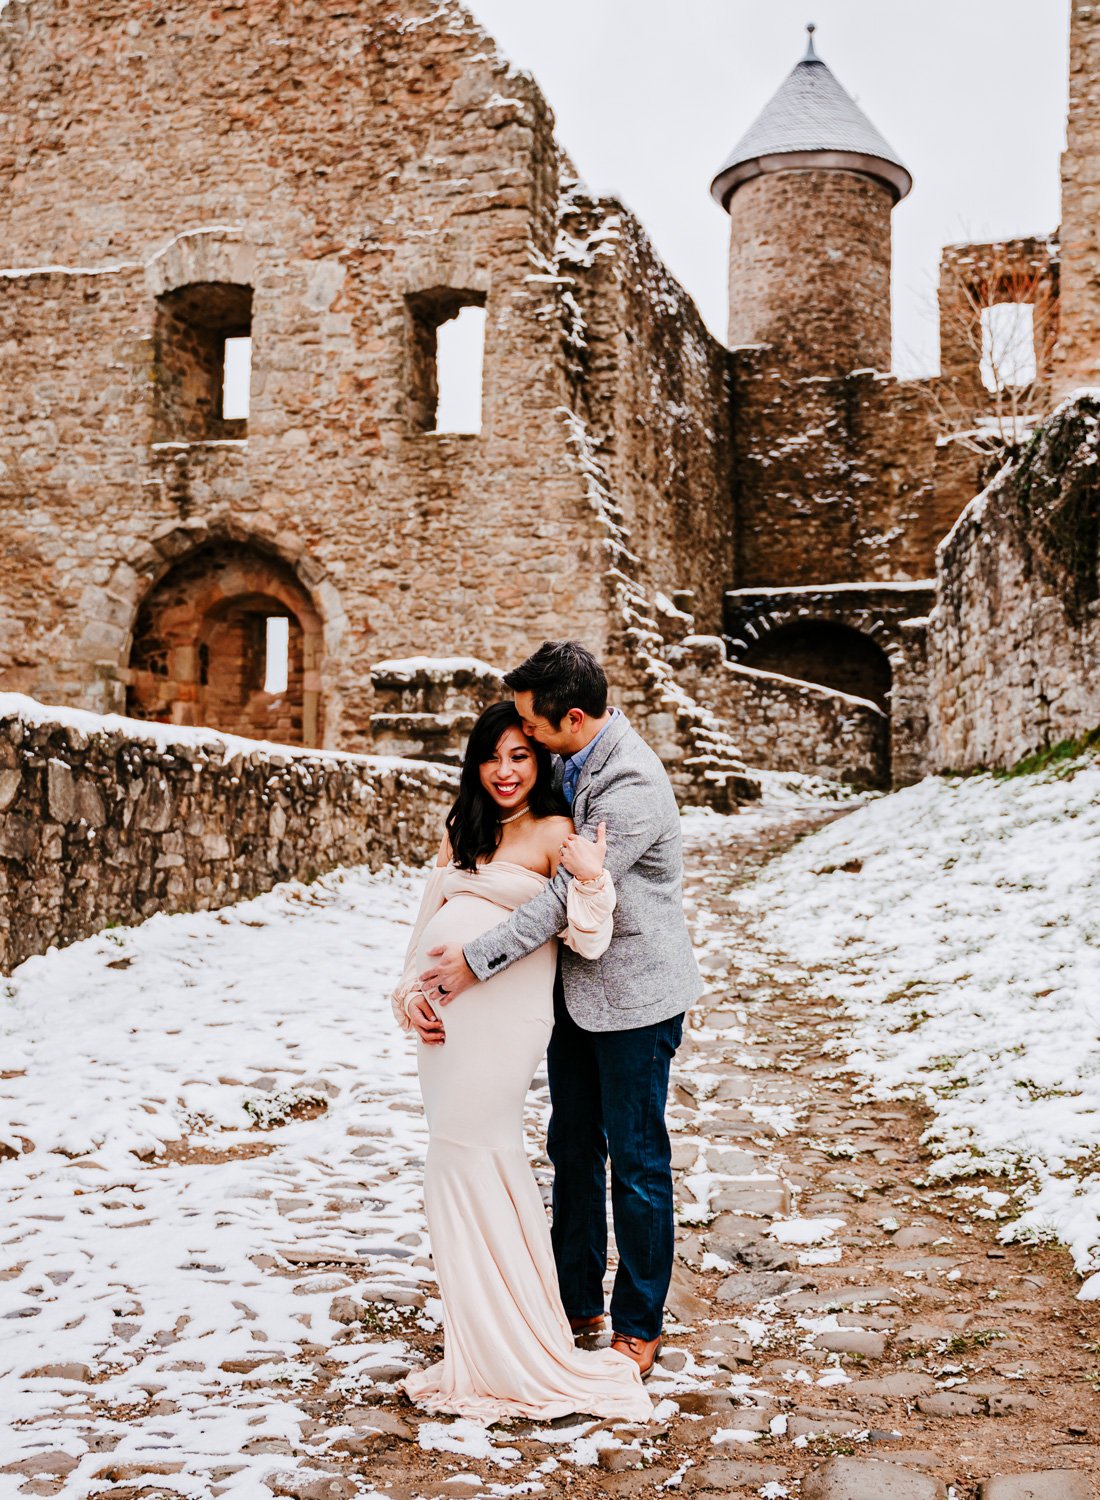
[1014,639]
[108,821]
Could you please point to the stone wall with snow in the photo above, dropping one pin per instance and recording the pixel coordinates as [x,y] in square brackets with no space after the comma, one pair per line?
[652,385]
[106,821]
[146,538]
[781,724]
[1014,640]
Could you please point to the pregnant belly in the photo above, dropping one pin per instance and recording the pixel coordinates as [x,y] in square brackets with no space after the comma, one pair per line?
[459,920]
[496,1035]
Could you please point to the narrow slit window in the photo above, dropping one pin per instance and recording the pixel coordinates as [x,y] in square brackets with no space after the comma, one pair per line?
[277,654]
[1008,346]
[460,358]
[236,377]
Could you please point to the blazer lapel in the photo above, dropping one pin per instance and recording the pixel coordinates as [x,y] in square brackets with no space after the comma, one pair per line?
[596,762]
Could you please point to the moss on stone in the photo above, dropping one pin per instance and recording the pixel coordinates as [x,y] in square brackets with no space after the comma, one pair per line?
[1057,494]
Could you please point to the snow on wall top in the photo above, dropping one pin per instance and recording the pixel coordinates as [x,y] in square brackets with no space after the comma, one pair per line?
[192,738]
[435,668]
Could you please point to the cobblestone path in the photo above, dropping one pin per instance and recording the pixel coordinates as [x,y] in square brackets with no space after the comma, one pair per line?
[840,1329]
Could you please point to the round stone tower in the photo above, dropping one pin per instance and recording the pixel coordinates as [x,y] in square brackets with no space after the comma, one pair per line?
[809,190]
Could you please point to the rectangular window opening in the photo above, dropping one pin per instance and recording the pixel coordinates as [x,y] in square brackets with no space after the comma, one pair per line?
[236,377]
[277,654]
[1008,346]
[460,359]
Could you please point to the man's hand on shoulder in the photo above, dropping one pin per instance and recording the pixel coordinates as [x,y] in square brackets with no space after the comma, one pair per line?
[449,974]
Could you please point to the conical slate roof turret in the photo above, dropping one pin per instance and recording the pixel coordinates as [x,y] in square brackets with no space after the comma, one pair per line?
[811,122]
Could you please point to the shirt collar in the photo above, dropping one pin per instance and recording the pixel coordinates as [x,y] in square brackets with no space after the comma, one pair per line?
[578,758]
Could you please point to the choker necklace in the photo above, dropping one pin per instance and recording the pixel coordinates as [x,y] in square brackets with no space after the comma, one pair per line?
[514,816]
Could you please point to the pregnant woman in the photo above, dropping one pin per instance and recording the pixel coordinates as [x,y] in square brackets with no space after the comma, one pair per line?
[508,1347]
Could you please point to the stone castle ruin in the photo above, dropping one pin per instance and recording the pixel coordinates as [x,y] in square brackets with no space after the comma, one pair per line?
[747,534]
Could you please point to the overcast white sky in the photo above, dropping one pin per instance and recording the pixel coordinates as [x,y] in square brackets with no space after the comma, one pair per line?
[650,95]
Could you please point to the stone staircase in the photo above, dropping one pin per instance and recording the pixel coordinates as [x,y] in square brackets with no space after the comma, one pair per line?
[426,706]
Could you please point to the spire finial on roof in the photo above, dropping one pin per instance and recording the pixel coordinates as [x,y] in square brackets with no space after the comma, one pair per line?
[811,55]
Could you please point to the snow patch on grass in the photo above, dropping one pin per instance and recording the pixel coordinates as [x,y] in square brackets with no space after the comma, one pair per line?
[959,923]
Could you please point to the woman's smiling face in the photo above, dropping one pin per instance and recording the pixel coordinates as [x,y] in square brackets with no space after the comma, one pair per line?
[510,773]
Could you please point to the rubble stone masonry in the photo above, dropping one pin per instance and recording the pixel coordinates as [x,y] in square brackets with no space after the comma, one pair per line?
[1078,354]
[1014,640]
[787,725]
[344,164]
[839,480]
[654,390]
[109,822]
[809,270]
[335,182]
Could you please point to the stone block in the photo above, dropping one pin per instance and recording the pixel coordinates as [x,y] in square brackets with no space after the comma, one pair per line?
[311,1484]
[70,1371]
[728,1476]
[60,792]
[53,1462]
[912,1235]
[826,1424]
[869,1479]
[18,838]
[907,1383]
[752,1287]
[948,1404]
[1042,1484]
[852,1341]
[10,782]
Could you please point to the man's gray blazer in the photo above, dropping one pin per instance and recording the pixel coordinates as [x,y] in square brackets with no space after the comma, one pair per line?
[649,972]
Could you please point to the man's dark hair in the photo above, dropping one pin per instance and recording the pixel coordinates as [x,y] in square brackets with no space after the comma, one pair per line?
[559,676]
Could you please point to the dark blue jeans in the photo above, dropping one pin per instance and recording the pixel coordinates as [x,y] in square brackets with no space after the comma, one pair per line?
[608,1091]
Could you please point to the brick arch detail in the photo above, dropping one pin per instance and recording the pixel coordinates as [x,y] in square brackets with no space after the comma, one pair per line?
[812,647]
[753,629]
[111,611]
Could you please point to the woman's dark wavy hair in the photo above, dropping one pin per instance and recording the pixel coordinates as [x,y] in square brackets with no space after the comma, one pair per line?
[473,823]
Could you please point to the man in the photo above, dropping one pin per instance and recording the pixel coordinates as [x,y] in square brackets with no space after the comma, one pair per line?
[618,1019]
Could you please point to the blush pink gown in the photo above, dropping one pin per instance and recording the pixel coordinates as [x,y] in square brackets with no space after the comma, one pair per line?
[508,1349]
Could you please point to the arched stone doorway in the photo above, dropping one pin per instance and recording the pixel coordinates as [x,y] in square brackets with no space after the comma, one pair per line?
[229,638]
[827,652]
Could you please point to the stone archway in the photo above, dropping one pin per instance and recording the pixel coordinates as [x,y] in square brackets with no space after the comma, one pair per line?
[835,655]
[202,647]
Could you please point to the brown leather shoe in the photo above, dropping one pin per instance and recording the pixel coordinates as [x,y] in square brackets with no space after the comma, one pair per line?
[643,1352]
[587,1325]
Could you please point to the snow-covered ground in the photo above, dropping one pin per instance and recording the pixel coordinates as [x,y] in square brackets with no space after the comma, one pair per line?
[159,1311]
[159,1314]
[157,1279]
[959,921]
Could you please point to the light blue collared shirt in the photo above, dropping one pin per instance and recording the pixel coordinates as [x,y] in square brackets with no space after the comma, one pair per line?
[573,767]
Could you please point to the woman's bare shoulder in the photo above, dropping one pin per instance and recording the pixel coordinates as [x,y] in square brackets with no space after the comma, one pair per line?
[554,829]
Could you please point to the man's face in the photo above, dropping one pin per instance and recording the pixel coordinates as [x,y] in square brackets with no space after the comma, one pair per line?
[563,738]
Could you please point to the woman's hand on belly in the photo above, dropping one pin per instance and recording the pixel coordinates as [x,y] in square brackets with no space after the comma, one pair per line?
[426,1024]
